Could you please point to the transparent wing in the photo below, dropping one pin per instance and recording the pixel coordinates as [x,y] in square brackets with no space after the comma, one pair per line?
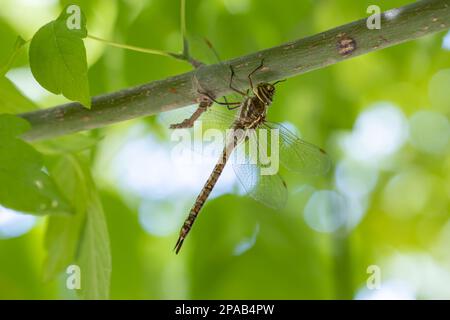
[298,155]
[211,141]
[215,117]
[270,190]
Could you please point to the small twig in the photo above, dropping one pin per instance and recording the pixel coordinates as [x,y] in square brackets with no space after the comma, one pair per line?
[186,50]
[183,29]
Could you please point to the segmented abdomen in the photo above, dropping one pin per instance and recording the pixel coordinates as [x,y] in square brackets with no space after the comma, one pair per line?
[202,197]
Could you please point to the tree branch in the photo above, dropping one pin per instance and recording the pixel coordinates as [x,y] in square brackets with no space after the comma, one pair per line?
[397,25]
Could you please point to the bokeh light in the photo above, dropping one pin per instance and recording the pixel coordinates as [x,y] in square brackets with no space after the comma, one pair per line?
[237,6]
[355,179]
[35,12]
[247,243]
[446,41]
[429,131]
[325,211]
[407,193]
[25,82]
[14,224]
[423,273]
[379,132]
[163,218]
[146,168]
[438,91]
[390,290]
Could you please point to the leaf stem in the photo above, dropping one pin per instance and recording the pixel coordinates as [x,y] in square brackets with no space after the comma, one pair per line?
[138,49]
[184,56]
[183,29]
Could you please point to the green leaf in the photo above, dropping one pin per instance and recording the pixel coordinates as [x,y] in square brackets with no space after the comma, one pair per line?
[17,46]
[63,232]
[61,241]
[82,238]
[95,254]
[12,100]
[67,144]
[24,184]
[58,58]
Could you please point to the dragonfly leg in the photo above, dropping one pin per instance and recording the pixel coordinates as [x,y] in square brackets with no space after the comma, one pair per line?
[242,93]
[209,44]
[185,124]
[232,108]
[276,82]
[237,104]
[189,122]
[253,72]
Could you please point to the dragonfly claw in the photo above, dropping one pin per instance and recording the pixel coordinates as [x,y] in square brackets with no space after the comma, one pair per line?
[178,245]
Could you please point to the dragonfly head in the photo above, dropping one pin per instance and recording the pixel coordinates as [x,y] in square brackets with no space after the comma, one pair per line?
[265,91]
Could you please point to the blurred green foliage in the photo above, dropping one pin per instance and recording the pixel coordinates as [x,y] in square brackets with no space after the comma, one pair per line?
[404,225]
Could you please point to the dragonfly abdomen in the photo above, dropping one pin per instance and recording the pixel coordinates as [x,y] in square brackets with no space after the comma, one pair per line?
[201,199]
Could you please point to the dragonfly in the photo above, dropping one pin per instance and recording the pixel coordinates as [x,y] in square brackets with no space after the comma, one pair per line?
[295,154]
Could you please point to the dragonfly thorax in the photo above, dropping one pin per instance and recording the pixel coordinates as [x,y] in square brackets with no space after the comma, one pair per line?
[253,111]
[252,114]
[264,92]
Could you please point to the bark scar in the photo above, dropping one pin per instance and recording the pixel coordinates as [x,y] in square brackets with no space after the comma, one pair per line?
[345,45]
